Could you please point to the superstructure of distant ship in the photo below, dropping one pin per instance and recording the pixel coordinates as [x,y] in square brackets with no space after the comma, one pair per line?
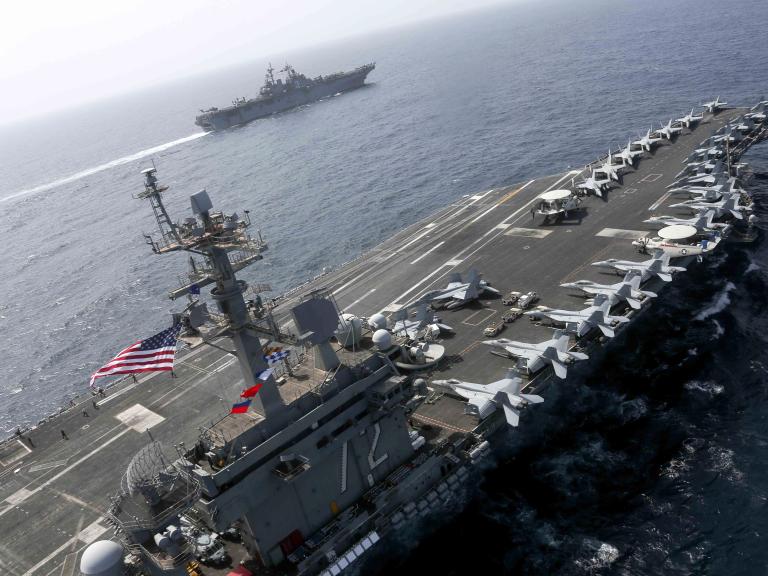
[278,95]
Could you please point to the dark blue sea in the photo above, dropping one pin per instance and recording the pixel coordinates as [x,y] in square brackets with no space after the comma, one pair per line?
[653,462]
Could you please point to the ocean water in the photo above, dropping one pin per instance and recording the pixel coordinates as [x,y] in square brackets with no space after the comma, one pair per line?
[654,463]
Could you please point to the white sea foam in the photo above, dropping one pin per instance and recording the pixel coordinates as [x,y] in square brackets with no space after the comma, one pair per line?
[101,167]
[720,303]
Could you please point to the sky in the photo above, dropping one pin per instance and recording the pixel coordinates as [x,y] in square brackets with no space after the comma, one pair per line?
[56,54]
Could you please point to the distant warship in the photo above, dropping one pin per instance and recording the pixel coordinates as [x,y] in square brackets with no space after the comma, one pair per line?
[278,95]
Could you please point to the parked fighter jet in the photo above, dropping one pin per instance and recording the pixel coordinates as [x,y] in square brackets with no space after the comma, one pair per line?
[757,112]
[596,184]
[459,293]
[746,125]
[627,290]
[484,399]
[648,141]
[728,204]
[419,323]
[582,321]
[668,130]
[707,193]
[627,155]
[696,168]
[690,119]
[533,357]
[613,171]
[714,106]
[658,265]
[715,176]
[702,221]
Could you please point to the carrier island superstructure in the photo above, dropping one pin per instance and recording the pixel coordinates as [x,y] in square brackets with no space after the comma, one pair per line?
[359,431]
[278,95]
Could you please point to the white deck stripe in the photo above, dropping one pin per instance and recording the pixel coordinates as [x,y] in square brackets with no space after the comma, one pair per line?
[618,233]
[660,201]
[435,247]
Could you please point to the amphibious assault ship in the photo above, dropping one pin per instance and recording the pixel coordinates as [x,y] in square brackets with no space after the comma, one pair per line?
[278,95]
[371,422]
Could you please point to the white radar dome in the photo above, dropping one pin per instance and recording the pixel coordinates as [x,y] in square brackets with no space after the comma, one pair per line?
[382,339]
[377,321]
[102,558]
[350,330]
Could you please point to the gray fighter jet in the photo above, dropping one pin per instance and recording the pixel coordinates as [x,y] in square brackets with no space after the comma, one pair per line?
[628,290]
[533,357]
[714,105]
[484,399]
[458,293]
[668,130]
[417,321]
[657,265]
[689,119]
[583,321]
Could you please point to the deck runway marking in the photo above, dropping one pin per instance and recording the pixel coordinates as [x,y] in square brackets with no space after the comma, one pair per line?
[502,226]
[483,240]
[416,239]
[435,247]
[92,532]
[394,307]
[488,313]
[506,197]
[47,465]
[651,178]
[431,225]
[454,262]
[19,496]
[363,297]
[660,201]
[528,232]
[628,191]
[139,418]
[469,348]
[618,233]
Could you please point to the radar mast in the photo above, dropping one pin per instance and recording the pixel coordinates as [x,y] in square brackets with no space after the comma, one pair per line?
[214,236]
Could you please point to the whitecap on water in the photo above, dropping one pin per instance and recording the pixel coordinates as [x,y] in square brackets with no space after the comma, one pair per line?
[709,387]
[720,303]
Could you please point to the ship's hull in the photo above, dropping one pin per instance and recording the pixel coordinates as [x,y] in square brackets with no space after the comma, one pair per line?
[262,107]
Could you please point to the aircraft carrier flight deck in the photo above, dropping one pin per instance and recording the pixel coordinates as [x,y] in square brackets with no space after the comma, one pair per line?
[55,480]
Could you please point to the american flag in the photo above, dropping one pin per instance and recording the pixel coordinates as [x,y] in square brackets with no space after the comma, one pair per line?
[155,354]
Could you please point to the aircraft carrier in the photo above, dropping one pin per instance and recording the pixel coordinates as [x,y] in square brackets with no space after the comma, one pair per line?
[353,435]
[277,95]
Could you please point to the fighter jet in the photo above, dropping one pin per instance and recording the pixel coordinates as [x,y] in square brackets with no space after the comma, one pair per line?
[728,204]
[533,357]
[668,130]
[596,184]
[418,323]
[627,155]
[702,221]
[707,193]
[695,168]
[484,399]
[714,106]
[717,175]
[459,293]
[757,112]
[582,321]
[746,124]
[690,119]
[613,171]
[648,141]
[627,290]
[658,265]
